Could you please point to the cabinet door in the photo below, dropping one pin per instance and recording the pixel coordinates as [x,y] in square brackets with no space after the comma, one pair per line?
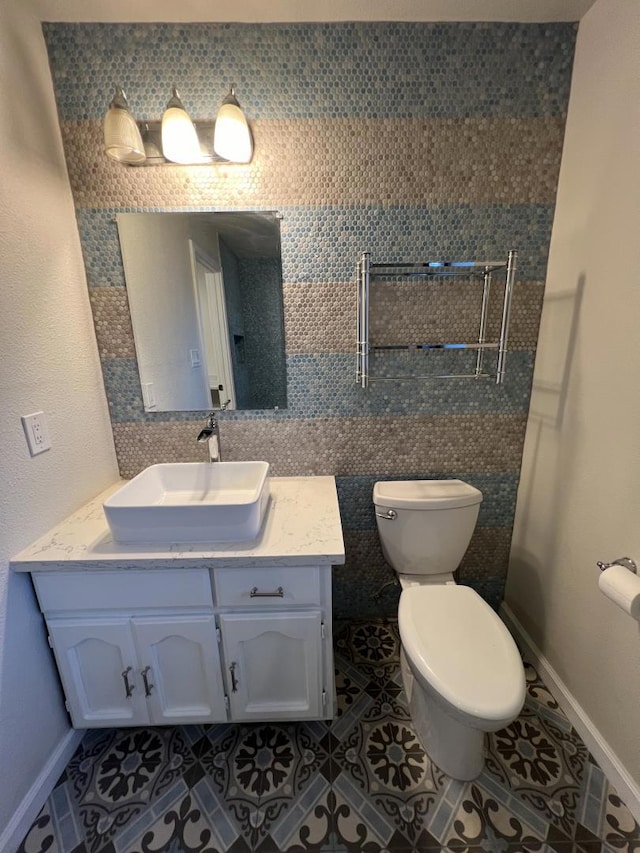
[97,664]
[273,665]
[179,667]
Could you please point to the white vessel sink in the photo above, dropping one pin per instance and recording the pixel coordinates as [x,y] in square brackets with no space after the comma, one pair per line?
[188,502]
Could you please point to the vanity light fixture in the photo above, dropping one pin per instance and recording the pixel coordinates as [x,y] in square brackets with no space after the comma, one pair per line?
[232,137]
[180,143]
[122,139]
[177,139]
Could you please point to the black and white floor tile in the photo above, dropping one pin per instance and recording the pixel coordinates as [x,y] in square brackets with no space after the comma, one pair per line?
[361,782]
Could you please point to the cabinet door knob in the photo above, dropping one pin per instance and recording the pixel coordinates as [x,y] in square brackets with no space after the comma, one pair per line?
[234,680]
[148,687]
[128,688]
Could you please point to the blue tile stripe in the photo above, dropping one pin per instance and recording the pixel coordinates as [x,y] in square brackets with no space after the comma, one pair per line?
[336,70]
[323,244]
[101,247]
[355,496]
[323,385]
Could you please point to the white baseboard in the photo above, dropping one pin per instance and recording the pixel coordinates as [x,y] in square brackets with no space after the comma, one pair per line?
[27,811]
[610,763]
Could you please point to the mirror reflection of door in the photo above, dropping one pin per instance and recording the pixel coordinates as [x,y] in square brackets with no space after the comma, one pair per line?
[214,329]
[205,294]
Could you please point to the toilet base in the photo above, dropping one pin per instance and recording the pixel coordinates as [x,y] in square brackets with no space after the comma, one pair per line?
[457,749]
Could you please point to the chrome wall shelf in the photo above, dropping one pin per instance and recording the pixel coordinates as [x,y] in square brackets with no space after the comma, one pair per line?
[368,272]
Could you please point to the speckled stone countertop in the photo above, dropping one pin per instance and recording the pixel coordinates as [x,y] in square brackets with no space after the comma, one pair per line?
[301,528]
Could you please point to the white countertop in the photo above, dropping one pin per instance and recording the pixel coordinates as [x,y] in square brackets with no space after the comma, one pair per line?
[302,528]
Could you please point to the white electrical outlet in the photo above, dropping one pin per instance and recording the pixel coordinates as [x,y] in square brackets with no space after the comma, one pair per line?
[194,355]
[37,432]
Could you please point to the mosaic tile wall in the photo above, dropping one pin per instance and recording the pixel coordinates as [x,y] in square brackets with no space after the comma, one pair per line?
[411,141]
[235,323]
[262,311]
[253,294]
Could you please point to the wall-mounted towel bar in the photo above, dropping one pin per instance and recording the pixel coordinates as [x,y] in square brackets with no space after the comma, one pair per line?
[368,272]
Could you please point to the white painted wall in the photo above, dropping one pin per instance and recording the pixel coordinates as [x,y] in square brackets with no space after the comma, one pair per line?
[49,361]
[579,496]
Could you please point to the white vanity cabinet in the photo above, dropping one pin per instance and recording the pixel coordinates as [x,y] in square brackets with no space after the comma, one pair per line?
[132,672]
[274,661]
[98,668]
[136,647]
[200,633]
[179,646]
[180,669]
[275,625]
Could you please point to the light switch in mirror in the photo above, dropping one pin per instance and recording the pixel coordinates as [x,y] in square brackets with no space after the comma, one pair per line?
[205,293]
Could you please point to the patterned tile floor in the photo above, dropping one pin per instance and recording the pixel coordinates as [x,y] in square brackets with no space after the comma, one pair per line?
[359,783]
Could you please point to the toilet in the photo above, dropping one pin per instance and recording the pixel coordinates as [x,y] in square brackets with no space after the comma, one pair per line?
[461,670]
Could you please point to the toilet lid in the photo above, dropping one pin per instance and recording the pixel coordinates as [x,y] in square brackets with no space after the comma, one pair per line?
[461,647]
[425,494]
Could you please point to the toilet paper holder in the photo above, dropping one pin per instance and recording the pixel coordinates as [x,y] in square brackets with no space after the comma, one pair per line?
[627,562]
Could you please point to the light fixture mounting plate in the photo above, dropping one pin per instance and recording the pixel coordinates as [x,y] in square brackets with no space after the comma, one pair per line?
[151,132]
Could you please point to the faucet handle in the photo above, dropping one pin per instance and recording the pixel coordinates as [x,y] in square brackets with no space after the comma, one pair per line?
[224,406]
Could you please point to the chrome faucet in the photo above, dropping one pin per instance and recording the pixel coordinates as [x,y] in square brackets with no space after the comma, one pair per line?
[212,429]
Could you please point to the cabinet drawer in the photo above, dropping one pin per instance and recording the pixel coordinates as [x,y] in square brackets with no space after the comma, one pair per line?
[123,590]
[267,587]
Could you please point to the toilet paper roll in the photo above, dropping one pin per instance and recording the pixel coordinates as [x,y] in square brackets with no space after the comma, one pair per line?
[623,588]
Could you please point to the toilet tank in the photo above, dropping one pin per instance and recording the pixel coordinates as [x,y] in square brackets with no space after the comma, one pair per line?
[432,526]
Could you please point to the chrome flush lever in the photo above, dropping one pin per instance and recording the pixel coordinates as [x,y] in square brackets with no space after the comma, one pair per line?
[389,515]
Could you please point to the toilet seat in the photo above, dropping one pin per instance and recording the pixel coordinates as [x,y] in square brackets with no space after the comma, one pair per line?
[459,648]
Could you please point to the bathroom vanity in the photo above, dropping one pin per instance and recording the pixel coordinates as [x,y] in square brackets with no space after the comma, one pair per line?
[167,635]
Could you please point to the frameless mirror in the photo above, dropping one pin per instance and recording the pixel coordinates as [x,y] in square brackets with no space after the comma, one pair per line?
[205,293]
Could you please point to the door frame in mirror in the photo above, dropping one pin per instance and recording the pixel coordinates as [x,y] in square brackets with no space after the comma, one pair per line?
[216,347]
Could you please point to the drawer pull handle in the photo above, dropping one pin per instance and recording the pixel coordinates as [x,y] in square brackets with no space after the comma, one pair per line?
[128,688]
[148,687]
[234,680]
[278,593]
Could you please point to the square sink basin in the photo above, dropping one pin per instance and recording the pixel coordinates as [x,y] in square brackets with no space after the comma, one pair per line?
[189,502]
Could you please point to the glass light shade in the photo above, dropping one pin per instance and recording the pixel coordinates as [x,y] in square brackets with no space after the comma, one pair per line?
[232,137]
[180,142]
[122,139]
